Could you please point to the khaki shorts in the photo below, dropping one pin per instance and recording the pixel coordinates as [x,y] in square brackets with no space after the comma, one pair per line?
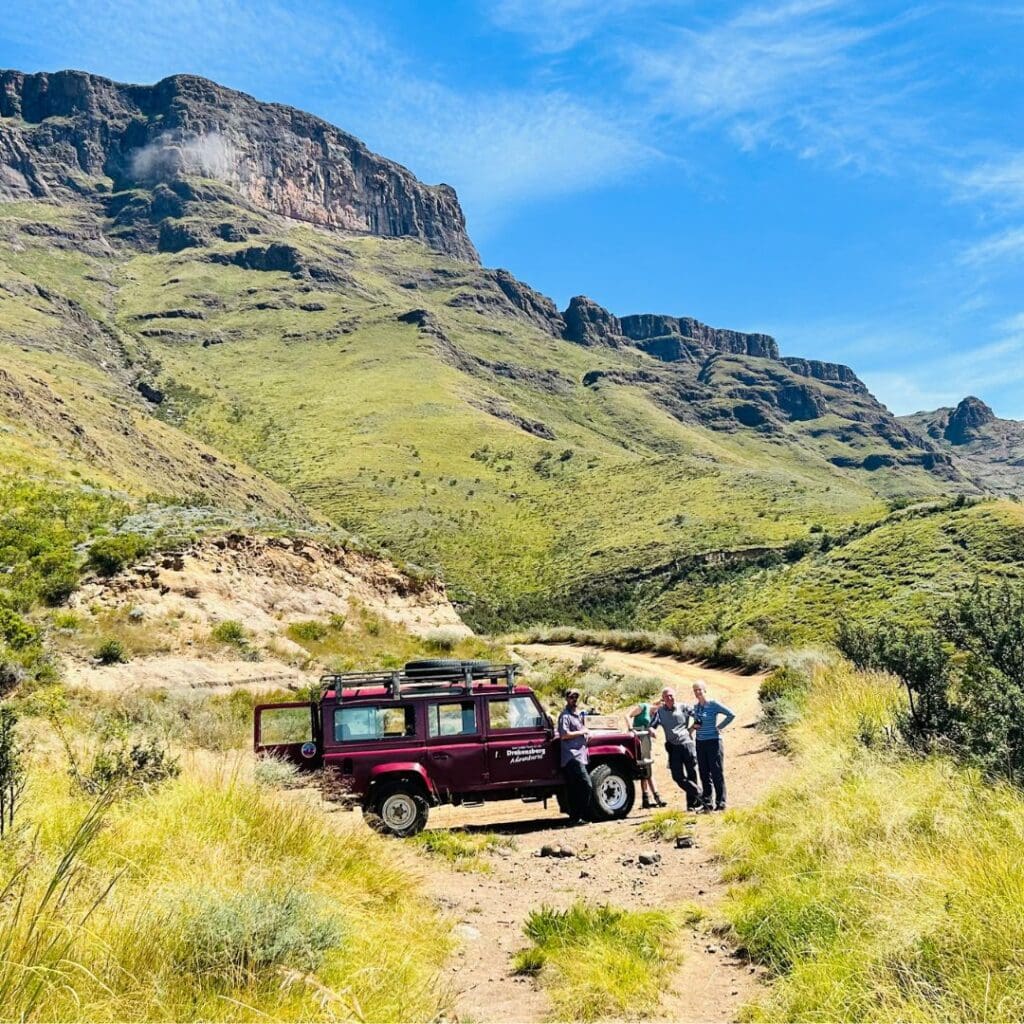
[644,735]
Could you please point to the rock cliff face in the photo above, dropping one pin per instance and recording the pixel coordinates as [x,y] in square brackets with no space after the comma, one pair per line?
[989,449]
[655,327]
[79,133]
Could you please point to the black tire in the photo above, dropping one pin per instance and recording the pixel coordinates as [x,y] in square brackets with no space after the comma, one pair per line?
[614,793]
[398,809]
[433,667]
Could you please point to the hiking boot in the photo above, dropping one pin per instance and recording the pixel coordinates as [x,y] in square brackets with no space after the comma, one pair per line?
[658,801]
[646,803]
[719,807]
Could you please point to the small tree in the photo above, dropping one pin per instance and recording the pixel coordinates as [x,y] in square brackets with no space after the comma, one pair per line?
[12,768]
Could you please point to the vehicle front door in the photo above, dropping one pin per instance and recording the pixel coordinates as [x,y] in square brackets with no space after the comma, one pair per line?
[289,731]
[521,746]
[455,746]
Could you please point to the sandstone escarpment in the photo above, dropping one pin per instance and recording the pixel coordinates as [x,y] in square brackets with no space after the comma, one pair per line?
[79,133]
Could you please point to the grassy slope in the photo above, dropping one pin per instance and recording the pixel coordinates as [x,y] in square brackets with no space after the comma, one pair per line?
[372,428]
[903,567]
[879,888]
[227,904]
[68,407]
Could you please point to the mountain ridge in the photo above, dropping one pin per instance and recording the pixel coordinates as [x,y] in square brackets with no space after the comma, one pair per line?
[539,458]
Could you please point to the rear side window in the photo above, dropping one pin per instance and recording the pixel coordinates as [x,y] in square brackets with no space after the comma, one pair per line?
[456,719]
[374,723]
[515,713]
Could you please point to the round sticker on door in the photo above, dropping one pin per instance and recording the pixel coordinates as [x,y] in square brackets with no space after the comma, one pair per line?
[308,749]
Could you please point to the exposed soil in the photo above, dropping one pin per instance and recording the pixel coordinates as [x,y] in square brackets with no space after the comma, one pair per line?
[712,983]
[263,583]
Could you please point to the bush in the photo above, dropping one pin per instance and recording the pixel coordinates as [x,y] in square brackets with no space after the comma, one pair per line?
[12,768]
[275,773]
[143,765]
[310,631]
[232,935]
[110,651]
[230,632]
[444,641]
[109,555]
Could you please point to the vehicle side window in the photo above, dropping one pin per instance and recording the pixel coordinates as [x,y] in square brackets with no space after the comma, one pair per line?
[452,719]
[514,713]
[371,722]
[285,725]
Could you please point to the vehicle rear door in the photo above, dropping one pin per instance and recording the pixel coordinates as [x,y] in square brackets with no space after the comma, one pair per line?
[289,731]
[455,744]
[521,746]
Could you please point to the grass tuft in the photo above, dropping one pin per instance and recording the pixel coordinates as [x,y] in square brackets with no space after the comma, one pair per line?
[667,825]
[461,849]
[599,961]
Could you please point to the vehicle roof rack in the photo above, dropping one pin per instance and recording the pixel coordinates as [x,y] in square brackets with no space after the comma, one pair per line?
[422,683]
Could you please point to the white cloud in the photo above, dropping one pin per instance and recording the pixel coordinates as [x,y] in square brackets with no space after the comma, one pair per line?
[1006,246]
[998,180]
[804,75]
[557,25]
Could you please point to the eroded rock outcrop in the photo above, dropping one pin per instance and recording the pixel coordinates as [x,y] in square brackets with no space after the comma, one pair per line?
[587,323]
[68,131]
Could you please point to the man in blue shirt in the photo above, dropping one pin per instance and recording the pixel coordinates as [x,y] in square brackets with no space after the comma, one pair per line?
[710,752]
[574,760]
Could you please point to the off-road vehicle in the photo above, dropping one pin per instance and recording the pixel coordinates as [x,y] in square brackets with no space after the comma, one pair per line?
[396,743]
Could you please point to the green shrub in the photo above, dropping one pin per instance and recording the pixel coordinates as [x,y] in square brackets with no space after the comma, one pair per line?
[232,935]
[443,641]
[310,631]
[15,631]
[109,555]
[230,632]
[668,825]
[275,773]
[143,765]
[110,651]
[12,768]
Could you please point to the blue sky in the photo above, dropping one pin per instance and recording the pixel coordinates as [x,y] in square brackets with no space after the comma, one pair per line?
[846,176]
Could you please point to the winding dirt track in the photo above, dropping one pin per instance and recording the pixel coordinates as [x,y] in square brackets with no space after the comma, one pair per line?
[711,984]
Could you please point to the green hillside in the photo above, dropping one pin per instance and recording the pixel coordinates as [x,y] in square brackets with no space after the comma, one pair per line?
[191,339]
[905,568]
[465,441]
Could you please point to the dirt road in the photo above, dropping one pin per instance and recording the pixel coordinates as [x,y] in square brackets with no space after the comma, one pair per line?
[711,984]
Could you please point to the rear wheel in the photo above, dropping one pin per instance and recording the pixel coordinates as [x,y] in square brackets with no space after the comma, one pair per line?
[397,810]
[614,792]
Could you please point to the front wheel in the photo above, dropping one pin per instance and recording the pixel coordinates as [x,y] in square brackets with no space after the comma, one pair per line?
[397,810]
[614,792]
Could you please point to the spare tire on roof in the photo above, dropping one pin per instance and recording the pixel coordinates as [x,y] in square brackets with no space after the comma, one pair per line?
[429,667]
[433,667]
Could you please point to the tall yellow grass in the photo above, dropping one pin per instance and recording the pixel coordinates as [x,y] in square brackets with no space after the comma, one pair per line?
[316,923]
[879,887]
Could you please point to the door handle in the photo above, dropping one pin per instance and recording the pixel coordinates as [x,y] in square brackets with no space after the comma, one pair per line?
[440,755]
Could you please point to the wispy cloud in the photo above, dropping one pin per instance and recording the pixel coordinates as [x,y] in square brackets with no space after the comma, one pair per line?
[1000,181]
[803,75]
[497,148]
[1006,246]
[553,26]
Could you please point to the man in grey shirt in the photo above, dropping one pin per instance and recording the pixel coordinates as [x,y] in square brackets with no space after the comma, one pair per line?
[574,759]
[674,720]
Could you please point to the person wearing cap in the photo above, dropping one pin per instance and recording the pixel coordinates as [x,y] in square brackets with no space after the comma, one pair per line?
[674,720]
[574,759]
[710,751]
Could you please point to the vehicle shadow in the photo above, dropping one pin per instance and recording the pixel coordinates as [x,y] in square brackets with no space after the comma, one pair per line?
[512,828]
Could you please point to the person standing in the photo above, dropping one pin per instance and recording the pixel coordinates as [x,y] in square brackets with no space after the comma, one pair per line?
[674,720]
[710,751]
[638,718]
[574,760]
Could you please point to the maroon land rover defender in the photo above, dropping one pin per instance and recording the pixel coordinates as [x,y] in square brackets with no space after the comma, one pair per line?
[396,743]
